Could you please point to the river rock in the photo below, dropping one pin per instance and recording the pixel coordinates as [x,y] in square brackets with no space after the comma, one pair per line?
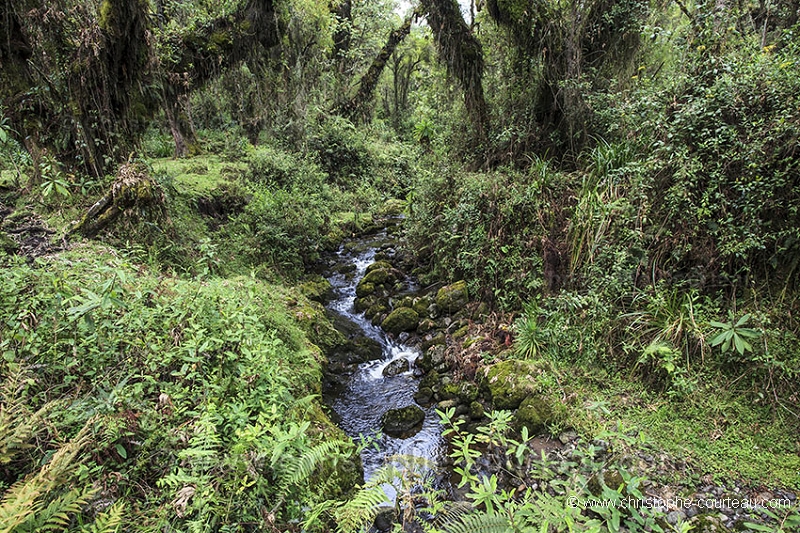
[401,319]
[433,358]
[452,298]
[404,422]
[378,265]
[424,396]
[396,367]
[425,325]
[508,383]
[421,305]
[379,276]
[364,288]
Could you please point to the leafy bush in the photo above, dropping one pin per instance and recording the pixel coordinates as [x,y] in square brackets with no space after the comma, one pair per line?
[341,152]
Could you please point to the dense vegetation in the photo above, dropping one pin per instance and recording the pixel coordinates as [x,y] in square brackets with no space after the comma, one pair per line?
[617,182]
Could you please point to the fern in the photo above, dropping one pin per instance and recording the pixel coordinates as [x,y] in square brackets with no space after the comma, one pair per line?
[477,522]
[300,469]
[358,513]
[106,522]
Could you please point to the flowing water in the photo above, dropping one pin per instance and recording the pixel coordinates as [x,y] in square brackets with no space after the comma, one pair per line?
[368,394]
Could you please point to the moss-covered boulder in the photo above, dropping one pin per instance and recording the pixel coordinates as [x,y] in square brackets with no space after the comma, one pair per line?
[452,298]
[379,276]
[422,304]
[508,383]
[404,422]
[534,413]
[476,410]
[379,265]
[318,289]
[401,319]
[433,358]
[364,288]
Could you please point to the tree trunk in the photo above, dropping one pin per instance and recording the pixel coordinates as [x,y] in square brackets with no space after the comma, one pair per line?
[357,108]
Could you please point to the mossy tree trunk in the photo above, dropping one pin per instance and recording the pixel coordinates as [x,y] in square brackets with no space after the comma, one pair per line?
[358,107]
[463,55]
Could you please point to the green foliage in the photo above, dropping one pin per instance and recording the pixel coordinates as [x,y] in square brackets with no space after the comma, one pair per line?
[733,335]
[341,152]
[202,392]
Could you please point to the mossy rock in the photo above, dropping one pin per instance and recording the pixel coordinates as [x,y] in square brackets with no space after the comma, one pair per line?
[399,320]
[467,392]
[364,288]
[316,325]
[708,523]
[461,332]
[433,358]
[379,276]
[406,301]
[425,325]
[379,265]
[318,289]
[452,298]
[448,391]
[422,304]
[396,367]
[534,413]
[404,422]
[436,340]
[377,309]
[392,207]
[365,302]
[476,410]
[430,380]
[508,383]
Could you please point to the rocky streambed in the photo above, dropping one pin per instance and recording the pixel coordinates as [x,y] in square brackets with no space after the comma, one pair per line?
[405,351]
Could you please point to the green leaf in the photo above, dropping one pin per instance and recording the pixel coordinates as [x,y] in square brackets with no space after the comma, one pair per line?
[742,321]
[121,450]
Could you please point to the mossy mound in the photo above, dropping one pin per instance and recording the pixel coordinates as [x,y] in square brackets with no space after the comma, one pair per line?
[379,265]
[508,383]
[452,298]
[364,289]
[399,320]
[404,422]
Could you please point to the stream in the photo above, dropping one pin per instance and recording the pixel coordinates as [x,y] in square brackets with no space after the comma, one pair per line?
[368,394]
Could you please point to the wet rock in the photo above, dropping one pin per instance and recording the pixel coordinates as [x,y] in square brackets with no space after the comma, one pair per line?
[376,309]
[399,320]
[448,391]
[508,383]
[404,422]
[424,396]
[433,311]
[396,367]
[452,298]
[364,288]
[534,413]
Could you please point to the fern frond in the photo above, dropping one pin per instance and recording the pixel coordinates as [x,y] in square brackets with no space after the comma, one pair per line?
[108,521]
[58,513]
[477,522]
[452,513]
[300,469]
[358,513]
